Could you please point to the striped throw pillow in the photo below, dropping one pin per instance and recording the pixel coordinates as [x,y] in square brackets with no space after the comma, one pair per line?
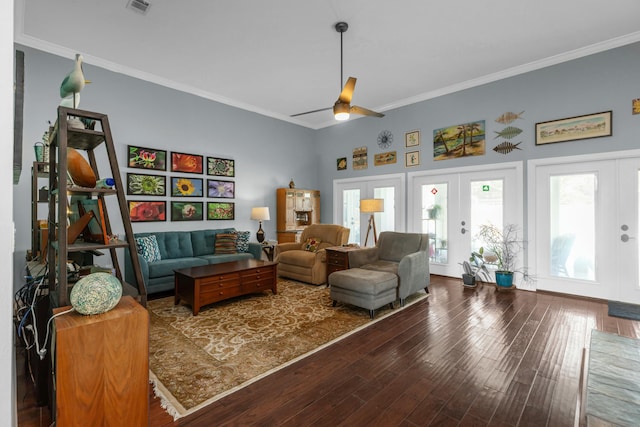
[226,244]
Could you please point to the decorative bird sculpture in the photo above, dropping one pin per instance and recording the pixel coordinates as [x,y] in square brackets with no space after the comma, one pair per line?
[72,84]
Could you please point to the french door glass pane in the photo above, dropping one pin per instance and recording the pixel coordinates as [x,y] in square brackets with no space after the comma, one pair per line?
[351,213]
[487,207]
[434,220]
[573,225]
[385,221]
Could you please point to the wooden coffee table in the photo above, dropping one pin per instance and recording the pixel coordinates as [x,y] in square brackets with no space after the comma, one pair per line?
[211,283]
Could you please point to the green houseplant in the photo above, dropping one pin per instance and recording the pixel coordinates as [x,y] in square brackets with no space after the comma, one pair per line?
[475,269]
[501,248]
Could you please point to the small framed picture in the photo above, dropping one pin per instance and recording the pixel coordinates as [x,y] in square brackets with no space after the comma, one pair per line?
[221,167]
[341,163]
[411,158]
[221,189]
[187,211]
[412,139]
[144,211]
[220,210]
[146,185]
[186,187]
[186,163]
[146,158]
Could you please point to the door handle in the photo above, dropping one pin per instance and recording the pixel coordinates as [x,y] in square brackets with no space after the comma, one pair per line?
[625,238]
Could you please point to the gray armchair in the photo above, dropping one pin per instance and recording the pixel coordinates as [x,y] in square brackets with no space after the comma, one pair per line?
[403,254]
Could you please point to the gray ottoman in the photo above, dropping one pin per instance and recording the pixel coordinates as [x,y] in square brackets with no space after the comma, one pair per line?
[363,288]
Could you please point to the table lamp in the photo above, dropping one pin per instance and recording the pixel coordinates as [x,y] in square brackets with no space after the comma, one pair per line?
[371,206]
[260,214]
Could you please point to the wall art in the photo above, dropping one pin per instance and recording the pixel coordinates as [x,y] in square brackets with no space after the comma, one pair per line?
[573,128]
[146,158]
[221,189]
[359,158]
[187,163]
[509,117]
[341,163]
[186,187]
[466,139]
[412,139]
[506,147]
[635,106]
[220,210]
[221,167]
[141,211]
[387,158]
[411,158]
[146,185]
[187,211]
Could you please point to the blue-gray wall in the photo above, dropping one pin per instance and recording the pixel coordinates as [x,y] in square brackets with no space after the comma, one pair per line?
[269,152]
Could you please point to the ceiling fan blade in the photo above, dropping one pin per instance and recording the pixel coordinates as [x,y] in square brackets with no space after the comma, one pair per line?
[365,111]
[309,112]
[347,91]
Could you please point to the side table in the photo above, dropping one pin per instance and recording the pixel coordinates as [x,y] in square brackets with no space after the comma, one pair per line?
[338,258]
[268,250]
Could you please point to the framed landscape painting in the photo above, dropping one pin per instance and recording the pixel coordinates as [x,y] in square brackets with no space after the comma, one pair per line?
[186,187]
[142,211]
[220,210]
[187,211]
[221,189]
[187,163]
[581,127]
[146,158]
[221,167]
[146,185]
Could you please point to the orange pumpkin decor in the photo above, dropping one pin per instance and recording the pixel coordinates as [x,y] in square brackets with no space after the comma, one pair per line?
[81,172]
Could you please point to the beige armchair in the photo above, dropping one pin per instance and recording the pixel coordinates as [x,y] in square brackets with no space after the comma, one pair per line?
[310,266]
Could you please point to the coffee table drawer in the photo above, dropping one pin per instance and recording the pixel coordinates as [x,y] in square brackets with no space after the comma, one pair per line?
[221,279]
[212,294]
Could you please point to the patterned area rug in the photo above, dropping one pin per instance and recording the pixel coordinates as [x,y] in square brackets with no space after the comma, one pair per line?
[195,361]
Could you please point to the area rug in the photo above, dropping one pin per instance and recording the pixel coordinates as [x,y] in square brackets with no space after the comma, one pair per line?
[196,360]
[624,310]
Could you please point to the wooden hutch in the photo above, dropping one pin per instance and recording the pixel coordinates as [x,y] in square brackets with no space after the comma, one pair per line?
[297,208]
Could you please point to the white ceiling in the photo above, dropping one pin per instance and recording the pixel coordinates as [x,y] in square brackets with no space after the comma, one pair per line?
[282,57]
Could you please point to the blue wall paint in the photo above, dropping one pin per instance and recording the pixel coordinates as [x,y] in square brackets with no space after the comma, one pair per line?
[601,82]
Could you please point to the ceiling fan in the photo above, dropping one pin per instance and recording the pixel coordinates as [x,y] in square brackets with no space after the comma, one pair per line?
[342,107]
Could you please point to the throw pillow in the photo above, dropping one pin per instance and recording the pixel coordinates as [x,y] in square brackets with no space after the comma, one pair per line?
[312,244]
[226,244]
[242,241]
[148,248]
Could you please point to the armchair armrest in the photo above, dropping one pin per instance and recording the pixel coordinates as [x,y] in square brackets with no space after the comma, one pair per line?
[360,257]
[413,274]
[284,247]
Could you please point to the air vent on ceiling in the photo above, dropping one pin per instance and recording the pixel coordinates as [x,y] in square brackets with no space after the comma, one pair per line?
[140,6]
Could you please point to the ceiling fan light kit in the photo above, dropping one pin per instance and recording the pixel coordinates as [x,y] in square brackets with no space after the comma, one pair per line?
[342,108]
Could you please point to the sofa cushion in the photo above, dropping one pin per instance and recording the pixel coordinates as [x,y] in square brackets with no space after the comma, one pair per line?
[242,242]
[204,241]
[175,244]
[165,267]
[147,247]
[298,258]
[217,259]
[382,265]
[311,244]
[226,244]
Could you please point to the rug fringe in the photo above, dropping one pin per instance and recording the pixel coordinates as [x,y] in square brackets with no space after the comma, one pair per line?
[160,392]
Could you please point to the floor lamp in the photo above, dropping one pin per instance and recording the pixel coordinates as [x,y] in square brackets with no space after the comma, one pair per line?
[371,206]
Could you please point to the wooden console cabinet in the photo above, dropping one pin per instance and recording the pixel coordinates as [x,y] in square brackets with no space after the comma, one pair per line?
[296,209]
[102,367]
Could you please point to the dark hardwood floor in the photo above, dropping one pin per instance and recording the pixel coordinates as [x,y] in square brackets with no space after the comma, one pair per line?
[463,357]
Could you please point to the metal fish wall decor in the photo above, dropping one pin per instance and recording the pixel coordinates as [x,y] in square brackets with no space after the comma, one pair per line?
[508,132]
[509,117]
[506,147]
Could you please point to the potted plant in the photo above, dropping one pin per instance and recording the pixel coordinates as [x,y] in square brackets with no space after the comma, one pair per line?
[501,247]
[434,211]
[475,269]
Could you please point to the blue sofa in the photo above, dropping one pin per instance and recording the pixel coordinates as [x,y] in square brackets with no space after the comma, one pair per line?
[181,249]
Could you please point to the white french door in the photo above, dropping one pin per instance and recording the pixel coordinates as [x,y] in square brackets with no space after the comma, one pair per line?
[347,194]
[450,206]
[586,225]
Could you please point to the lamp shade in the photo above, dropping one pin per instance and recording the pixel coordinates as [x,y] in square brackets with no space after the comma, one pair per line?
[260,214]
[371,205]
